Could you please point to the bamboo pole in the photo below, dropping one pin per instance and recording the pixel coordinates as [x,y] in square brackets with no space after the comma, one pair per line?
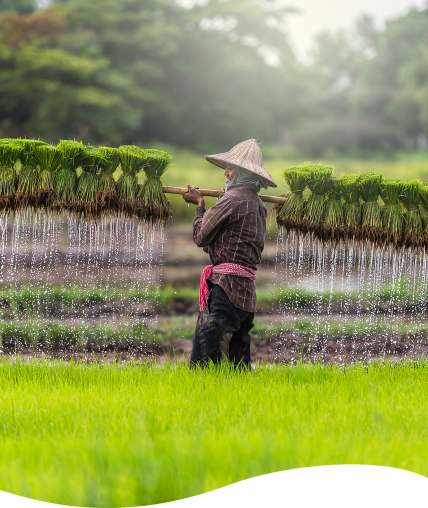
[217,193]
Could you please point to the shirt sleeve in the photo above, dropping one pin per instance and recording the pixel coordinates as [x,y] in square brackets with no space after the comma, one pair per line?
[207,224]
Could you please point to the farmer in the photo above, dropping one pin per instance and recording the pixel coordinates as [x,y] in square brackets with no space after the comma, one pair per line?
[232,232]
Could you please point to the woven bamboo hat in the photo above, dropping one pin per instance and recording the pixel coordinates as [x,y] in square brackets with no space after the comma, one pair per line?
[246,155]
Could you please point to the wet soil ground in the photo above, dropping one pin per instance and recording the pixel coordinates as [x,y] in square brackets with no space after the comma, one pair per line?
[283,348]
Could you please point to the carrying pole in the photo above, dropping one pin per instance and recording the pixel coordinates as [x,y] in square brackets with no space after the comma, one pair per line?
[217,193]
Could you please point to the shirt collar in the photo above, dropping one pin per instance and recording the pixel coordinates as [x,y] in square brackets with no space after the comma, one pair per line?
[238,186]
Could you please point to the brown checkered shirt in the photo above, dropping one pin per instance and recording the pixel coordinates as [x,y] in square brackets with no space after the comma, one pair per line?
[233,231]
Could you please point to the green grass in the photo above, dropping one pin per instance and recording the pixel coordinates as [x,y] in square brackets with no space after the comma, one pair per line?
[136,336]
[30,334]
[109,436]
[23,298]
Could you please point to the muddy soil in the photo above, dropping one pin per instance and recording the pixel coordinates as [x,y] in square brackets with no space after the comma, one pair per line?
[286,348]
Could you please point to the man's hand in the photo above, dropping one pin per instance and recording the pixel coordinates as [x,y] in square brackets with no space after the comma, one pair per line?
[193,196]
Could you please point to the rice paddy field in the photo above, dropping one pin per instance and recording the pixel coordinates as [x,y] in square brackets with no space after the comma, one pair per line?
[122,435]
[98,406]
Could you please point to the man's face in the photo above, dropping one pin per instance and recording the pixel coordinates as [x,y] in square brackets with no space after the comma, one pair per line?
[229,173]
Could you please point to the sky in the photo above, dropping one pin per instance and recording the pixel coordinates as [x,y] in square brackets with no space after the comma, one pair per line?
[329,15]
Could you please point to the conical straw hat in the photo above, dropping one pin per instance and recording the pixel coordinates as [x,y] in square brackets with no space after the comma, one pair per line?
[246,155]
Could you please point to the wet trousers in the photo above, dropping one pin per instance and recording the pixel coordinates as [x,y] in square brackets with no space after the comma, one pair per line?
[222,330]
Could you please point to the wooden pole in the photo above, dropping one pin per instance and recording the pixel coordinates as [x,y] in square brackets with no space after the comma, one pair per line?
[217,193]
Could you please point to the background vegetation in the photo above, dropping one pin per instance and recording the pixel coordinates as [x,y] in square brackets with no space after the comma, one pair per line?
[204,77]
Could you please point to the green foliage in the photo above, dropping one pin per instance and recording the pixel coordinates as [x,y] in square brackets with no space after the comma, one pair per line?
[82,68]
[392,214]
[106,181]
[156,164]
[297,178]
[49,160]
[87,183]
[28,152]
[350,194]
[10,153]
[369,189]
[28,172]
[411,199]
[334,212]
[31,334]
[74,154]
[132,161]
[21,6]
[423,196]
[319,183]
[61,424]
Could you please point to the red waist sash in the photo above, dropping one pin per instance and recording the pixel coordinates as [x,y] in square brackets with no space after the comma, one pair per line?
[223,268]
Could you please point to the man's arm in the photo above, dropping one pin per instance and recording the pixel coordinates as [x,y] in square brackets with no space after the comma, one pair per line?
[207,224]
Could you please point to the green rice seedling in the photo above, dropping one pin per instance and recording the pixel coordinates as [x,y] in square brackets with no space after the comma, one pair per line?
[87,184]
[10,140]
[369,188]
[423,196]
[29,174]
[319,183]
[334,212]
[133,149]
[151,193]
[351,205]
[49,160]
[106,181]
[392,213]
[60,421]
[411,198]
[74,154]
[132,160]
[297,179]
[10,153]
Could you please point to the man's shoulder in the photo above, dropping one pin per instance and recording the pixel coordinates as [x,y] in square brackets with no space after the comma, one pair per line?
[224,198]
[247,195]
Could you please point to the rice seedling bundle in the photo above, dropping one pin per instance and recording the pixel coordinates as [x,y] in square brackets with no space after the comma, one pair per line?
[351,205]
[423,197]
[10,153]
[49,160]
[334,211]
[106,181]
[319,183]
[74,155]
[87,184]
[392,213]
[132,160]
[369,188]
[29,173]
[151,193]
[297,178]
[411,198]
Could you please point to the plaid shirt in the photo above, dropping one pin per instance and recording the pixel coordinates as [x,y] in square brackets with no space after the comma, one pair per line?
[233,231]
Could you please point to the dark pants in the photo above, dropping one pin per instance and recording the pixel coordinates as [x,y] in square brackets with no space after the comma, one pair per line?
[222,330]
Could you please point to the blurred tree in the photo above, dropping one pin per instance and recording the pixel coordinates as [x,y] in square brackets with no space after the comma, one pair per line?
[61,77]
[385,100]
[209,74]
[225,80]
[21,6]
[148,70]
